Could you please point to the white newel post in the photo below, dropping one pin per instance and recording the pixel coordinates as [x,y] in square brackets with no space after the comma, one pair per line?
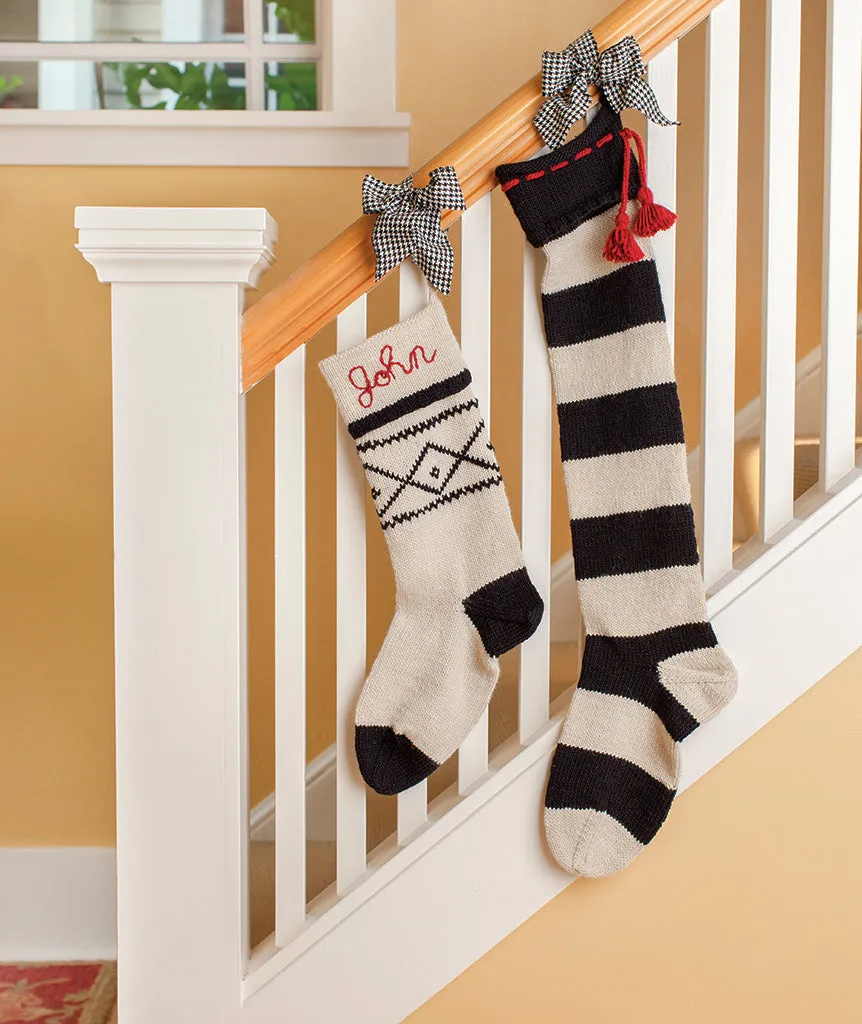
[178,280]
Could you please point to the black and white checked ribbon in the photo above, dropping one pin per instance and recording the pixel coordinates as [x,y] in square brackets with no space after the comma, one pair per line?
[616,71]
[408,224]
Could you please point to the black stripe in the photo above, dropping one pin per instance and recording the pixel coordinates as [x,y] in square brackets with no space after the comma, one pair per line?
[410,403]
[626,298]
[634,541]
[585,779]
[653,648]
[418,428]
[627,667]
[624,422]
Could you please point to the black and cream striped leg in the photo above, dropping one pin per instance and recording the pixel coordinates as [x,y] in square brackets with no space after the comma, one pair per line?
[652,670]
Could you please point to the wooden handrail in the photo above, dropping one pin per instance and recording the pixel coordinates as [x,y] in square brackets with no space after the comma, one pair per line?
[327,283]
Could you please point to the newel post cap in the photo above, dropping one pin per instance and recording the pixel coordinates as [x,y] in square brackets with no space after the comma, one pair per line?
[181,245]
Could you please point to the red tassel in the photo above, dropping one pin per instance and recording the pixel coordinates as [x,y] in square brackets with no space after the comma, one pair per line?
[652,217]
[621,246]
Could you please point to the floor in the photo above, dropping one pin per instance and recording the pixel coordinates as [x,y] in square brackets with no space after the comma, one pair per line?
[58,993]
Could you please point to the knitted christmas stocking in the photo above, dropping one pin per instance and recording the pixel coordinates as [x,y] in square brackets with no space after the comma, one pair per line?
[463,596]
[652,670]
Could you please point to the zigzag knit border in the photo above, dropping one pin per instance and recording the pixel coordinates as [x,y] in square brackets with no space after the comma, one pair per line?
[419,428]
[469,489]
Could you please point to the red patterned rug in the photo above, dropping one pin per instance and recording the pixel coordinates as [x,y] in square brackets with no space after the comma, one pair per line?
[57,993]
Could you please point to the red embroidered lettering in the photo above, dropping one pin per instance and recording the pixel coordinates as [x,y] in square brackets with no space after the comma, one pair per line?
[382,378]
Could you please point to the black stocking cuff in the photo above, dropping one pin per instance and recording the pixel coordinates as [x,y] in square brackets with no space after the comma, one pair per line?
[554,193]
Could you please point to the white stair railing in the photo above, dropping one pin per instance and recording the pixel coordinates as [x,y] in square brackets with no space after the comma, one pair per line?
[476,346]
[412,803]
[290,647]
[178,278]
[350,600]
[840,239]
[719,306]
[663,74]
[536,425]
[780,206]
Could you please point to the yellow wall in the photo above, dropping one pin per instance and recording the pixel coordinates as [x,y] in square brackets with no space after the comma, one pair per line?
[745,908]
[56,735]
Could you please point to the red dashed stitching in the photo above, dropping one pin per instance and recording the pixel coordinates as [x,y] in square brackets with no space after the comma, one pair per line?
[603,141]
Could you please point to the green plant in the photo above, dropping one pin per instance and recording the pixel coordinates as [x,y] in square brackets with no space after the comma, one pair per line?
[197,86]
[9,85]
[206,87]
[297,17]
[295,86]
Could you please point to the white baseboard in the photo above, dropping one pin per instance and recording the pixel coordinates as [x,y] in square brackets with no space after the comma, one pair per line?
[58,903]
[319,804]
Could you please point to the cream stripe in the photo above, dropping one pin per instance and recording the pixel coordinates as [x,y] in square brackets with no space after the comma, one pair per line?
[589,843]
[633,604]
[623,728]
[627,482]
[636,358]
[703,681]
[577,257]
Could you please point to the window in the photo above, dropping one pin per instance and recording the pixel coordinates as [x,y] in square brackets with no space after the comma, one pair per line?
[267,82]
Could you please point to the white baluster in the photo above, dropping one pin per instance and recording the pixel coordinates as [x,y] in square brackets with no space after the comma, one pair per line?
[535,666]
[780,199]
[662,75]
[476,347]
[350,636]
[719,334]
[840,240]
[290,655]
[413,803]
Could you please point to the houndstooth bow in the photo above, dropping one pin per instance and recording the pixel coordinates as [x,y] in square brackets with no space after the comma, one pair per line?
[408,224]
[616,71]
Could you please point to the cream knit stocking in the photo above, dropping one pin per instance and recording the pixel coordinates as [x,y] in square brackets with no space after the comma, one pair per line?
[463,596]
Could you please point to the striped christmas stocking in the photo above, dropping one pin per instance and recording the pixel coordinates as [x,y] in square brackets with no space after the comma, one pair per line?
[652,670]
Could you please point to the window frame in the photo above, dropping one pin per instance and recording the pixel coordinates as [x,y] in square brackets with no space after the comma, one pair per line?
[357,123]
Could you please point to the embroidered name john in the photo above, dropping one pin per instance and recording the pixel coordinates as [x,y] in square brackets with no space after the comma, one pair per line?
[366,385]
